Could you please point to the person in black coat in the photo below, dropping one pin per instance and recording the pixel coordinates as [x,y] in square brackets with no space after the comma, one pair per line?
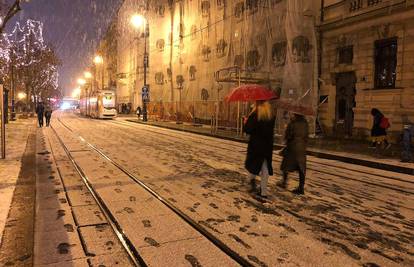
[294,154]
[378,133]
[40,109]
[48,114]
[259,126]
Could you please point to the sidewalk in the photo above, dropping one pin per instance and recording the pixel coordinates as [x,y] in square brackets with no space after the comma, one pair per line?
[17,192]
[345,150]
[17,133]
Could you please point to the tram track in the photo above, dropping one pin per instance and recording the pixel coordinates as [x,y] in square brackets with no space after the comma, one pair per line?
[125,241]
[315,166]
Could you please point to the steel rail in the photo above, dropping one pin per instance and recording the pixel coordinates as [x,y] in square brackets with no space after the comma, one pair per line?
[126,243]
[218,243]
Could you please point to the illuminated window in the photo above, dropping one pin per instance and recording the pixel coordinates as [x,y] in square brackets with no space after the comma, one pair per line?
[385,63]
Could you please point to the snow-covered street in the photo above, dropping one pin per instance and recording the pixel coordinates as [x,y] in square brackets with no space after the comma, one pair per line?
[350,216]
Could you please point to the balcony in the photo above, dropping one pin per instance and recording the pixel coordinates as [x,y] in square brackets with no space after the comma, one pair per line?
[351,9]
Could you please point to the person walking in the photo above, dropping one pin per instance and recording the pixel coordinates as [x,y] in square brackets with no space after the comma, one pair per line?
[40,109]
[294,154]
[48,114]
[406,141]
[259,126]
[139,112]
[379,130]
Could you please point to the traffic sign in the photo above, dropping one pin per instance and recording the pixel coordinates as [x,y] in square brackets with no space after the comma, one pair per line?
[145,93]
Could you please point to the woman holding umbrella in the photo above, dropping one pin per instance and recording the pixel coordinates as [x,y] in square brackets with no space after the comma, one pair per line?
[259,125]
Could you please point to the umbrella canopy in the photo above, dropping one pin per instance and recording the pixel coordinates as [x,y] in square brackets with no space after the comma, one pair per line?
[250,92]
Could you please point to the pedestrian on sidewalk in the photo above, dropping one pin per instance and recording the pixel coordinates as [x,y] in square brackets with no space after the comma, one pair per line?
[294,153]
[48,114]
[406,141]
[379,130]
[139,112]
[40,109]
[259,126]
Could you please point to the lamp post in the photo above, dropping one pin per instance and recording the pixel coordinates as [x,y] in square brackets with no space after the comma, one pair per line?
[98,60]
[138,21]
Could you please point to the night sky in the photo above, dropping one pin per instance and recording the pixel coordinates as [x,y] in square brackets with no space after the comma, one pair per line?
[74,28]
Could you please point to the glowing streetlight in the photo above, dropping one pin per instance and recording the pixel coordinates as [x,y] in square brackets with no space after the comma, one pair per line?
[137,21]
[76,92]
[98,59]
[21,95]
[87,74]
[81,81]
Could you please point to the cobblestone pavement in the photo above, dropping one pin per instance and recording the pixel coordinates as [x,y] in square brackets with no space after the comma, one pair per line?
[350,216]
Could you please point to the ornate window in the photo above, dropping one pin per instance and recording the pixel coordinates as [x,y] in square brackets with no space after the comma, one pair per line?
[345,55]
[204,94]
[252,5]
[192,72]
[386,63]
[159,78]
[238,61]
[205,8]
[221,48]
[355,5]
[160,44]
[160,10]
[239,10]
[220,4]
[279,50]
[206,51]
[253,58]
[180,81]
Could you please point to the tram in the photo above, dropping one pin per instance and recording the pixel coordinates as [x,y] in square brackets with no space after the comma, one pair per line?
[99,104]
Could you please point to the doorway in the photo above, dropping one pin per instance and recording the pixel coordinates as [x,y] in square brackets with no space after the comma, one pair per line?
[345,102]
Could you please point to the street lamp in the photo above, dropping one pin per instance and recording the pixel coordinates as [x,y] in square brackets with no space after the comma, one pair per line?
[81,81]
[137,22]
[21,95]
[87,74]
[98,60]
[76,92]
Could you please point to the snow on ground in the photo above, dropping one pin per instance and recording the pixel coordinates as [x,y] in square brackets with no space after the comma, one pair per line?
[350,215]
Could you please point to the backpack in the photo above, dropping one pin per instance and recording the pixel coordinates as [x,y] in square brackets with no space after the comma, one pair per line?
[385,123]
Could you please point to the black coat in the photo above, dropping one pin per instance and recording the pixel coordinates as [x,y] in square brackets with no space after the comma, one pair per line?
[294,154]
[377,130]
[40,109]
[48,112]
[260,146]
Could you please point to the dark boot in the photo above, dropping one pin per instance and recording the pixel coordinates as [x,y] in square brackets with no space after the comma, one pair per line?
[298,191]
[301,189]
[283,183]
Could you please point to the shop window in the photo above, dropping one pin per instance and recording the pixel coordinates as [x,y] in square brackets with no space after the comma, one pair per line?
[385,63]
[345,55]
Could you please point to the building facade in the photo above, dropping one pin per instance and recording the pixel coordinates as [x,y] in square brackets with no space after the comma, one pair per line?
[367,62]
[199,50]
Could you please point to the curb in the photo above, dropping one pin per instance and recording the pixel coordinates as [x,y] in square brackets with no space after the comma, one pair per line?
[310,152]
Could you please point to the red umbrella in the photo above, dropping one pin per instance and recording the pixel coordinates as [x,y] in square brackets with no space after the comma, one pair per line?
[250,92]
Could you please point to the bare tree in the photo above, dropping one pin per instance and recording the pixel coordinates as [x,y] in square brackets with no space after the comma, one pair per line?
[11,11]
